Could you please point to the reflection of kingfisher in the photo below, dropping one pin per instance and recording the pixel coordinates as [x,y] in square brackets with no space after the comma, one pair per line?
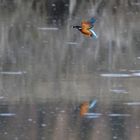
[87,28]
[86,106]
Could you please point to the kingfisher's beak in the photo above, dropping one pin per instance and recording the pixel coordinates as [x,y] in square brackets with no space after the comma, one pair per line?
[73,26]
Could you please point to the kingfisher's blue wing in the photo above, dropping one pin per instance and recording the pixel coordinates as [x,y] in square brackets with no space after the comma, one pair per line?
[92,21]
[93,103]
[93,33]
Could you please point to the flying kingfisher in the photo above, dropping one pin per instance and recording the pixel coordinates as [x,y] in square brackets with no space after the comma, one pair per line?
[87,28]
[86,106]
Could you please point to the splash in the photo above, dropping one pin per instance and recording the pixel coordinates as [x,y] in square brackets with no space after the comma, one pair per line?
[7,114]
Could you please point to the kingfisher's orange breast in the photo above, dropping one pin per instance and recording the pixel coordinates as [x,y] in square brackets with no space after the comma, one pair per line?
[85,28]
[86,32]
[84,108]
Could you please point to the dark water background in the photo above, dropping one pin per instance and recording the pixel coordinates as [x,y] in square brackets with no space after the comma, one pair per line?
[47,69]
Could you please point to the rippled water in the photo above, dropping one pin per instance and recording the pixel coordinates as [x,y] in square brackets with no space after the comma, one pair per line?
[48,69]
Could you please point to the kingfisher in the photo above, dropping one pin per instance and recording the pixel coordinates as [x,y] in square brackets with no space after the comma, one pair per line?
[87,28]
[86,106]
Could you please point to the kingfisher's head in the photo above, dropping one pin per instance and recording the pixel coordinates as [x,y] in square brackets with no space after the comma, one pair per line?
[77,27]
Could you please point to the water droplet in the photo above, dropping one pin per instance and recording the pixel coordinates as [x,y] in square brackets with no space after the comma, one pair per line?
[137,127]
[53,4]
[115,75]
[30,120]
[132,103]
[43,125]
[115,137]
[5,133]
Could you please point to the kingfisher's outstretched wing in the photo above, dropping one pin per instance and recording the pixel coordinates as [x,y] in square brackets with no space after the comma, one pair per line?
[93,103]
[86,25]
[93,33]
[92,21]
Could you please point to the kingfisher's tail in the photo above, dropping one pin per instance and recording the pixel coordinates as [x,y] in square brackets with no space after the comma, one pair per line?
[94,35]
[93,104]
